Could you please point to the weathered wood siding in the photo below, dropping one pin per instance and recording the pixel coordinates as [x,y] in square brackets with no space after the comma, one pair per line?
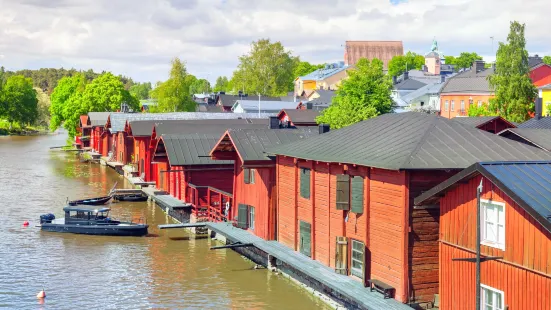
[387,227]
[286,198]
[524,273]
[321,227]
[423,238]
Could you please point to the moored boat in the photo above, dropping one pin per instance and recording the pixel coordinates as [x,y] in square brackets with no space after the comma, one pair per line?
[133,197]
[90,201]
[90,221]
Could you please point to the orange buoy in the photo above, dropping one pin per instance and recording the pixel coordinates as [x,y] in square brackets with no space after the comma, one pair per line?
[26,223]
[41,294]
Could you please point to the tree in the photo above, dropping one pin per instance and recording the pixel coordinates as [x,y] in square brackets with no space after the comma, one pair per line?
[221,84]
[365,94]
[514,91]
[268,69]
[107,93]
[547,60]
[173,95]
[140,90]
[66,88]
[303,68]
[482,110]
[200,86]
[400,63]
[464,60]
[18,100]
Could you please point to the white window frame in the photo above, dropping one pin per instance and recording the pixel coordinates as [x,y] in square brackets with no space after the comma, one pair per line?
[251,175]
[494,291]
[251,217]
[446,105]
[462,107]
[484,240]
[452,107]
[479,103]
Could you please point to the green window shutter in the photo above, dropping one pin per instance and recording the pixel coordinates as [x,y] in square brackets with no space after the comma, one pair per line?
[343,192]
[305,183]
[357,194]
[247,177]
[305,238]
[242,215]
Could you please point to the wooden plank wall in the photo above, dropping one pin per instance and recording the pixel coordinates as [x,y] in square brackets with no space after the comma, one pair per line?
[336,217]
[527,248]
[322,190]
[386,228]
[423,238]
[286,185]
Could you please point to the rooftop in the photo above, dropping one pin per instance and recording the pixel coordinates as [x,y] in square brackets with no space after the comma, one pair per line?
[542,123]
[322,74]
[191,149]
[410,140]
[478,121]
[536,136]
[301,116]
[98,118]
[469,81]
[265,106]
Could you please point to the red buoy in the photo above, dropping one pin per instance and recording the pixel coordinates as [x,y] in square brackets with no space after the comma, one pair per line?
[26,223]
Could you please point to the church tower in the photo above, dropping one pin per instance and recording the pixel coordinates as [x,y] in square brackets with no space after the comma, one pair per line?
[434,59]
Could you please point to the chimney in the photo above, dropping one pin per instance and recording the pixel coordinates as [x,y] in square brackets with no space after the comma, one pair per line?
[539,103]
[274,122]
[394,80]
[406,75]
[478,65]
[309,105]
[442,78]
[323,128]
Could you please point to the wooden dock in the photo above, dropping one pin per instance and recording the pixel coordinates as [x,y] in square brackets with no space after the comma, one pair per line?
[341,284]
[186,225]
[165,200]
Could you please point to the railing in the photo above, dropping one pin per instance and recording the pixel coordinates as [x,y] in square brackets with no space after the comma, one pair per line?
[209,203]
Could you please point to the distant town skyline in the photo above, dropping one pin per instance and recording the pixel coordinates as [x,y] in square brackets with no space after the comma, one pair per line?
[138,38]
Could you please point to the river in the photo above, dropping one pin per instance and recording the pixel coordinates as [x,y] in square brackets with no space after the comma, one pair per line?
[169,270]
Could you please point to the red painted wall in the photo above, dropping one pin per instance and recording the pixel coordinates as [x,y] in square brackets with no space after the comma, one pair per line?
[524,273]
[496,126]
[541,76]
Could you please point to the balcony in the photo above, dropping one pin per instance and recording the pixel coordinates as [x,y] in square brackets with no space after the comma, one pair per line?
[209,203]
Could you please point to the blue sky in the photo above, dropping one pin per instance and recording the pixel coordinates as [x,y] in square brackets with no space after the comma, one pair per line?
[138,38]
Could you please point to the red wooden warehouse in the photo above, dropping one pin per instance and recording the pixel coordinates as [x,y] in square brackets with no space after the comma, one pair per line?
[515,231]
[254,174]
[96,122]
[296,118]
[492,124]
[345,198]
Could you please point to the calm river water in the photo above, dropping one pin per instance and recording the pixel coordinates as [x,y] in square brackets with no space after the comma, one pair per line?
[92,272]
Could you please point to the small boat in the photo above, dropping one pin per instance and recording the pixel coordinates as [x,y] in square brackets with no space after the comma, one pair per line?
[133,197]
[89,221]
[90,201]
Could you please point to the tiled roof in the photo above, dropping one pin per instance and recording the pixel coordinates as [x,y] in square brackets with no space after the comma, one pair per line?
[191,149]
[526,183]
[469,82]
[251,106]
[322,74]
[301,116]
[98,118]
[383,50]
[535,136]
[542,123]
[534,61]
[410,140]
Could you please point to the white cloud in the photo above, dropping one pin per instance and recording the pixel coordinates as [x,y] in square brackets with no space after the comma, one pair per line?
[138,38]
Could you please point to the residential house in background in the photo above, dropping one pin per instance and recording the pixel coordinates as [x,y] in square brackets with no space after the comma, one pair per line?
[319,100]
[540,72]
[545,92]
[465,89]
[515,272]
[146,104]
[226,102]
[424,99]
[403,88]
[292,118]
[253,106]
[382,50]
[536,137]
[349,193]
[327,78]
[491,124]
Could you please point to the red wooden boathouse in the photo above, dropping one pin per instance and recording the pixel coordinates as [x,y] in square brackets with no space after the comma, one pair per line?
[254,174]
[96,121]
[297,118]
[515,213]
[345,198]
[492,124]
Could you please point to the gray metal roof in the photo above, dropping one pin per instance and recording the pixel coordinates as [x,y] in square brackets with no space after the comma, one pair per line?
[428,89]
[191,149]
[533,61]
[98,118]
[229,100]
[323,73]
[325,96]
[143,128]
[476,121]
[538,137]
[409,84]
[251,106]
[469,82]
[302,116]
[118,120]
[251,143]
[526,183]
[542,123]
[179,127]
[410,140]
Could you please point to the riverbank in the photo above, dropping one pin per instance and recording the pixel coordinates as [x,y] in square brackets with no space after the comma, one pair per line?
[7,129]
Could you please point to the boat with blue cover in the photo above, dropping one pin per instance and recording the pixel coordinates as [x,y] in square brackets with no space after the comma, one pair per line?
[90,221]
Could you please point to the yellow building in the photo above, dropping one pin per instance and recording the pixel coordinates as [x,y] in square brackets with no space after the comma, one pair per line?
[328,78]
[546,99]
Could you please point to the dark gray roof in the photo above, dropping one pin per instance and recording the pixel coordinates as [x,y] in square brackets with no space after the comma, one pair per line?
[251,143]
[410,140]
[210,127]
[469,82]
[542,123]
[534,61]
[536,136]
[301,116]
[229,100]
[325,96]
[409,84]
[191,149]
[477,120]
[98,118]
[526,183]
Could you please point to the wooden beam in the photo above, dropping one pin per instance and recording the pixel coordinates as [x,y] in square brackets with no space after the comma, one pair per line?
[232,246]
[482,259]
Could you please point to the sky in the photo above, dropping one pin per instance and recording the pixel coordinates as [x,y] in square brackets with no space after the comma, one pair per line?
[138,38]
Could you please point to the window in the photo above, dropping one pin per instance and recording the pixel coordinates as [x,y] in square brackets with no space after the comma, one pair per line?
[493,223]
[358,257]
[446,106]
[479,103]
[249,176]
[251,217]
[305,183]
[462,105]
[491,299]
[453,105]
[343,192]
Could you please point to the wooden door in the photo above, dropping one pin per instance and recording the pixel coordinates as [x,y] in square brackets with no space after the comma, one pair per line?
[305,238]
[341,256]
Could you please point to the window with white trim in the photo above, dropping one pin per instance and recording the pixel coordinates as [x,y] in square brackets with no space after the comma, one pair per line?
[493,223]
[491,298]
[462,106]
[446,105]
[479,103]
[251,217]
[453,105]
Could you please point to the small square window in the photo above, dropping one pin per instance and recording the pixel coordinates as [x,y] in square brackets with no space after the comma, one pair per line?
[493,223]
[491,298]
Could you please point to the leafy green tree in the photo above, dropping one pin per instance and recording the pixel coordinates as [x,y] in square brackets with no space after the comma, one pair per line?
[140,90]
[221,84]
[107,93]
[464,60]
[514,91]
[482,110]
[200,86]
[267,69]
[400,63]
[547,60]
[303,68]
[18,100]
[450,60]
[66,88]
[365,94]
[173,95]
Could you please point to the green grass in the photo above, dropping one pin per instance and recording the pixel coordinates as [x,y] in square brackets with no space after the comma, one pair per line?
[16,128]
